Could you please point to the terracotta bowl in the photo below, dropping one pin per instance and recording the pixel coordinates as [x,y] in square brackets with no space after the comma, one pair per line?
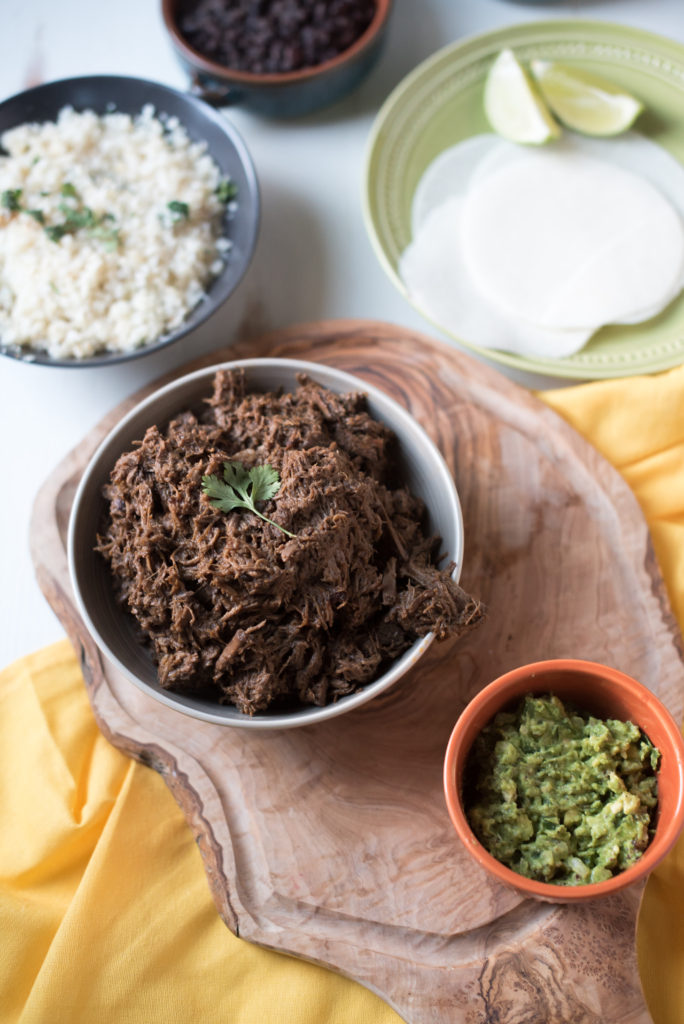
[286,94]
[421,467]
[607,693]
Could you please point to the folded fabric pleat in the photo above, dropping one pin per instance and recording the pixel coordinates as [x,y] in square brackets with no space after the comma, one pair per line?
[105,911]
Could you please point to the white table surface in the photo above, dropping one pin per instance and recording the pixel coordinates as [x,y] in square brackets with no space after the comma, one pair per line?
[313,258]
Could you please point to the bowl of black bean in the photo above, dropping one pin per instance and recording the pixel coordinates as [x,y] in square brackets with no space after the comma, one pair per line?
[279,58]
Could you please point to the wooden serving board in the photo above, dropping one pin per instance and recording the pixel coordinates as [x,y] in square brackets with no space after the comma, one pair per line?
[332,842]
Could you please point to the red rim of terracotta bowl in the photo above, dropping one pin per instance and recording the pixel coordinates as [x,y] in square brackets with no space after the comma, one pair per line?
[382,9]
[604,691]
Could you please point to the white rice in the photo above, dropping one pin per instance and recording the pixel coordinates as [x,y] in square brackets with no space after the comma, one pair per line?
[79,295]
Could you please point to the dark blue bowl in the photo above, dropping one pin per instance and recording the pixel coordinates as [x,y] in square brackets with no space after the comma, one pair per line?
[289,94]
[102,93]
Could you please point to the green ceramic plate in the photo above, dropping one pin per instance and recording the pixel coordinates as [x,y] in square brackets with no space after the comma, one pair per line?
[440,103]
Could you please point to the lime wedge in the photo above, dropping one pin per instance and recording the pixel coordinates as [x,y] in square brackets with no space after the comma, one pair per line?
[582,101]
[513,105]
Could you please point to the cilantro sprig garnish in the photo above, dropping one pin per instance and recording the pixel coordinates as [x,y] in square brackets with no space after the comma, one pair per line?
[76,217]
[242,488]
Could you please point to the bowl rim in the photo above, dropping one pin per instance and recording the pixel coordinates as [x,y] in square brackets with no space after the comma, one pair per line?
[307,715]
[494,697]
[205,308]
[271,78]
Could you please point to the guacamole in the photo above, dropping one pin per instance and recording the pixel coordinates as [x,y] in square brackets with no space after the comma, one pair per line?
[560,796]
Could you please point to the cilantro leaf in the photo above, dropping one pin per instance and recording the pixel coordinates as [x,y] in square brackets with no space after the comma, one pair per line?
[55,232]
[107,235]
[10,199]
[226,190]
[223,497]
[265,482]
[77,218]
[241,488]
[237,477]
[179,210]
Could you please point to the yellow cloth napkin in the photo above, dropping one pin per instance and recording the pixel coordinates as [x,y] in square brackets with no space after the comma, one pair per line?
[638,425]
[105,913]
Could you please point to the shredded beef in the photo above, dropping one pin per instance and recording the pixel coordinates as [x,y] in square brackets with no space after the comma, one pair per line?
[234,608]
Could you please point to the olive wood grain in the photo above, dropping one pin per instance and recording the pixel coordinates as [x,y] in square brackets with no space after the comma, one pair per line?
[333,842]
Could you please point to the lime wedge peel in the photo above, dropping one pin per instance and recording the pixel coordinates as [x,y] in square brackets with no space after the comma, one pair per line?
[514,107]
[585,102]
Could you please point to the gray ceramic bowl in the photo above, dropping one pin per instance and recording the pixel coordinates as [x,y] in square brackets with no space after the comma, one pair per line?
[288,94]
[424,472]
[103,93]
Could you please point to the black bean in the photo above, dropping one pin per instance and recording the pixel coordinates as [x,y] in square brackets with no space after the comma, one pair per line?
[275,35]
